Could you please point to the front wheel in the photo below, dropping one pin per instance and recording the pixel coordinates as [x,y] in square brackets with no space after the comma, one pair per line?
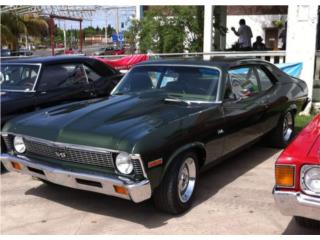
[281,136]
[306,222]
[176,192]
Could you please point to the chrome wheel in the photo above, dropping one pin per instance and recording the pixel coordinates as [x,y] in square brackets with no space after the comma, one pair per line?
[287,127]
[186,179]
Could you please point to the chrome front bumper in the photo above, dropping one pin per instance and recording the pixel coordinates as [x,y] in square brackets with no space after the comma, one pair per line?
[90,181]
[297,204]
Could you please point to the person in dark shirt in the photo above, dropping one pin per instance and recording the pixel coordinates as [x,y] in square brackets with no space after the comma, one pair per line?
[258,44]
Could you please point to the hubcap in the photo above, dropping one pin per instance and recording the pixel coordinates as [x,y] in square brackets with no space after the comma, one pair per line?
[186,179]
[287,127]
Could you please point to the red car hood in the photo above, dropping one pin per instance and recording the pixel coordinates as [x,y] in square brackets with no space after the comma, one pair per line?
[306,146]
[315,151]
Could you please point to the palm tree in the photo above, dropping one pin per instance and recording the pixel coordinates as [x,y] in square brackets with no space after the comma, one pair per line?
[14,26]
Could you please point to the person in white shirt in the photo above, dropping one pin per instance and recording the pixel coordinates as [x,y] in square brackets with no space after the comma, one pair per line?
[245,34]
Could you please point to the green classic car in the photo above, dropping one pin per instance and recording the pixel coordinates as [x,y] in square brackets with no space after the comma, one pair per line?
[163,123]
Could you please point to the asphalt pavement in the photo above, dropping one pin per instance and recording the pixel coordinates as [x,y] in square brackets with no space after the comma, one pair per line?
[233,198]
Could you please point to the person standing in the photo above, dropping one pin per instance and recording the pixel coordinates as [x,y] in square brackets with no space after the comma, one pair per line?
[245,34]
[283,37]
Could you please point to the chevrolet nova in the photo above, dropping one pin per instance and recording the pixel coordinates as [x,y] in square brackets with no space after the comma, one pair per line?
[164,123]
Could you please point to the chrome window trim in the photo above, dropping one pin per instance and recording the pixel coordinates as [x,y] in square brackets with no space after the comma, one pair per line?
[183,65]
[85,73]
[294,176]
[35,82]
[303,186]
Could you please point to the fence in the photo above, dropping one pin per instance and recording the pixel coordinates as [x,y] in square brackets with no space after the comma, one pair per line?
[271,56]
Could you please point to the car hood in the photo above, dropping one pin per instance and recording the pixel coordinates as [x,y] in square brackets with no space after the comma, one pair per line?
[104,123]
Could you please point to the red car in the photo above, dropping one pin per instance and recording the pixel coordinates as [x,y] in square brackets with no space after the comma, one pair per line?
[297,175]
[109,51]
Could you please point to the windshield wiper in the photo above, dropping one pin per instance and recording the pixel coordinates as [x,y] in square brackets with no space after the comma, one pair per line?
[118,93]
[175,99]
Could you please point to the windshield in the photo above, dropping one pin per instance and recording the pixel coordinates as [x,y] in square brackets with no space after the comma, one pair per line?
[183,82]
[18,77]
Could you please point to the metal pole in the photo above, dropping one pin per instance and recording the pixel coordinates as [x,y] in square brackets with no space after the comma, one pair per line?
[81,42]
[52,35]
[117,21]
[106,29]
[64,37]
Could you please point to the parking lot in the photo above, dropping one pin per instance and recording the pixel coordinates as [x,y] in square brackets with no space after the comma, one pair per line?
[233,198]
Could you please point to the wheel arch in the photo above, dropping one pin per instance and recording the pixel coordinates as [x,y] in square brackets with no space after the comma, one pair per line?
[197,147]
[292,108]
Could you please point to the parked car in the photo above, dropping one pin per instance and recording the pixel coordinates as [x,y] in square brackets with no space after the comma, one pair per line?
[297,173]
[22,52]
[5,52]
[109,51]
[30,84]
[164,123]
[69,51]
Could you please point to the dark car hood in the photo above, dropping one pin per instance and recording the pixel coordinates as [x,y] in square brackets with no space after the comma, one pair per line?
[104,123]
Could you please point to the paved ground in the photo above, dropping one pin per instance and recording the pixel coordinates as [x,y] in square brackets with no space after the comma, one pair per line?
[233,198]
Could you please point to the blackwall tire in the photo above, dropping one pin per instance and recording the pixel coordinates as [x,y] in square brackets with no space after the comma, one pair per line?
[282,135]
[176,192]
[308,223]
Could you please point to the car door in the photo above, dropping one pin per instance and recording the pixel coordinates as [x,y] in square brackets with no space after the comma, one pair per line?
[242,108]
[61,83]
[269,98]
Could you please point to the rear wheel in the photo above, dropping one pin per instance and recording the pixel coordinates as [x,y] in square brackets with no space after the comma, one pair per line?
[306,222]
[177,190]
[281,136]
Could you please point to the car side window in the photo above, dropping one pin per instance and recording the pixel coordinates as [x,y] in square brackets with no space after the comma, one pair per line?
[62,75]
[243,82]
[265,81]
[91,74]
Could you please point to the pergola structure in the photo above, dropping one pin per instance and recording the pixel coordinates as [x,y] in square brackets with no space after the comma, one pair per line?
[65,12]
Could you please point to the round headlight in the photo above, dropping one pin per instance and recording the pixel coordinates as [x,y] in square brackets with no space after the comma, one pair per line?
[124,163]
[18,144]
[312,179]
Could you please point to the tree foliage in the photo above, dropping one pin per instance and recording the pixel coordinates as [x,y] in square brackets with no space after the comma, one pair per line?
[169,29]
[14,26]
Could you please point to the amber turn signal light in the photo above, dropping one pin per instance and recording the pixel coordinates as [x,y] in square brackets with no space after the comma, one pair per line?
[16,165]
[120,190]
[284,175]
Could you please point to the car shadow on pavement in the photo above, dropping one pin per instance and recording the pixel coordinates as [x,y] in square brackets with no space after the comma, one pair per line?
[144,213]
[294,228]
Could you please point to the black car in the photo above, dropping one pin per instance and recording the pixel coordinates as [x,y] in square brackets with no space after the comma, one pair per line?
[5,52]
[164,123]
[29,84]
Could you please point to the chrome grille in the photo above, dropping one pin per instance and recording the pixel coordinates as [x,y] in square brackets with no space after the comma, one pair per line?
[7,142]
[137,167]
[68,154]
